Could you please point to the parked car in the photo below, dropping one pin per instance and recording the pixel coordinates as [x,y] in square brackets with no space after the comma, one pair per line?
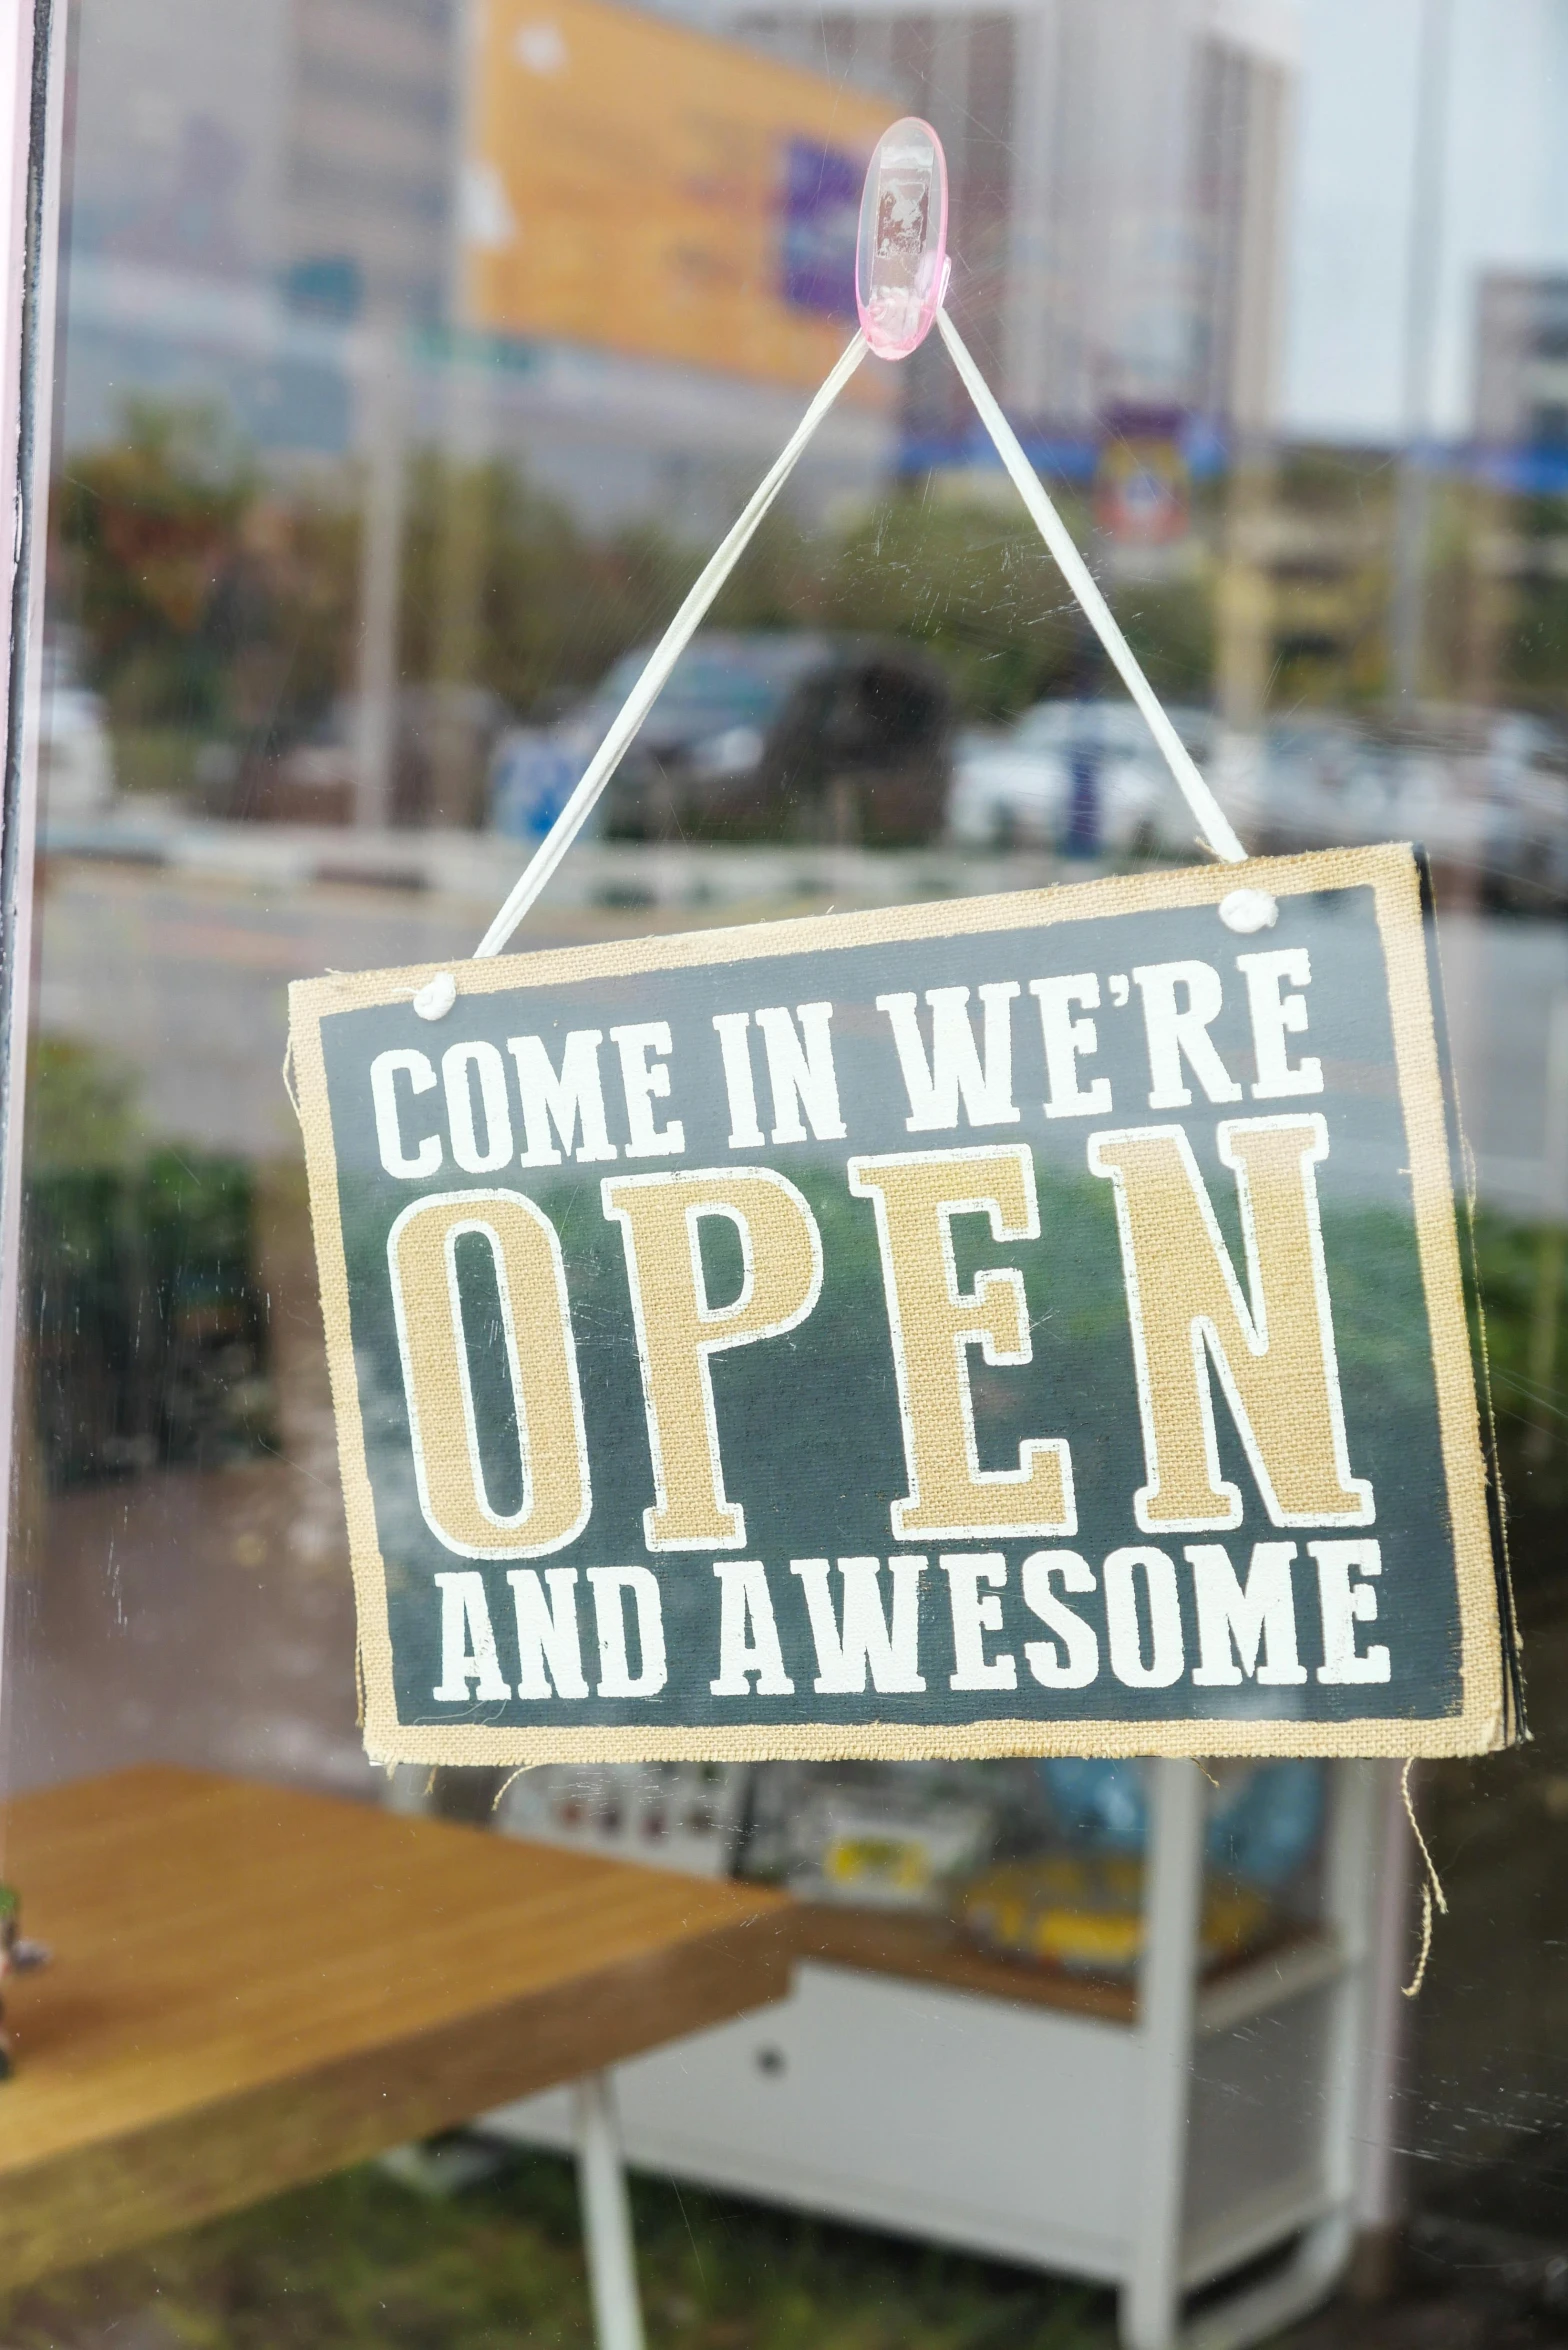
[1484,793]
[1084,773]
[75,752]
[765,734]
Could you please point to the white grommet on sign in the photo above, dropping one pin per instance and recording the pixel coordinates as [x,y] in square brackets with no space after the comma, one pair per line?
[1248,910]
[436,998]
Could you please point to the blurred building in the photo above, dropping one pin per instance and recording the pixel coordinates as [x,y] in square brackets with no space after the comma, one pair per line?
[277,209]
[1521,371]
[1118,171]
[368,147]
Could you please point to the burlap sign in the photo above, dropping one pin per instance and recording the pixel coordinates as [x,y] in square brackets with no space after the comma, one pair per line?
[1028,1324]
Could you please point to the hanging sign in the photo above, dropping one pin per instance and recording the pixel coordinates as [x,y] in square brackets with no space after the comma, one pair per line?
[1029,1324]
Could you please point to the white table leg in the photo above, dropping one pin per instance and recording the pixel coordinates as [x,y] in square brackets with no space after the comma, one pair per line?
[607,2219]
[1167,1989]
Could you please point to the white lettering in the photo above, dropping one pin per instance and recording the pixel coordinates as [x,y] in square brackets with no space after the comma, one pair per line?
[611,1585]
[1276,1016]
[973,1617]
[956,1067]
[1236,1621]
[573,1102]
[645,1084]
[734,1045]
[867,1642]
[748,1633]
[460,1063]
[1173,1031]
[801,1073]
[547,1633]
[1071,1658]
[383,1094]
[467,1642]
[1066,1041]
[1124,1618]
[1345,1605]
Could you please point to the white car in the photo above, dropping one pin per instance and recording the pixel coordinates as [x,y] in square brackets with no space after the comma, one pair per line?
[1489,799]
[75,754]
[1016,790]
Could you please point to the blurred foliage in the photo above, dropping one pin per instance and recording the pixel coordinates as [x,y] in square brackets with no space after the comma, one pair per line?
[145,1331]
[210,602]
[973,583]
[81,1114]
[360,2264]
[205,598]
[213,601]
[1534,639]
[502,589]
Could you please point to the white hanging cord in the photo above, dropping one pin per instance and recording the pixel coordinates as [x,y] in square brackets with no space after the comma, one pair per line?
[666,653]
[1431,1889]
[1211,816]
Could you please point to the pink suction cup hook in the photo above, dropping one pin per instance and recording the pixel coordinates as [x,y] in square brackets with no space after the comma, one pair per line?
[901,259]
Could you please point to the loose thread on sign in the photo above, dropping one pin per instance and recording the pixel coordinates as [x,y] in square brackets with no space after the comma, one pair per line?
[1431,1886]
[509,1780]
[288,1081]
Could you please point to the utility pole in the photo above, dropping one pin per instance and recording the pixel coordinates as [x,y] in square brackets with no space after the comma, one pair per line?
[383,459]
[1423,271]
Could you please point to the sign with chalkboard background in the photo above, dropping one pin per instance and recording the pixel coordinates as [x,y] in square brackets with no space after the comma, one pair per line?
[1029,1324]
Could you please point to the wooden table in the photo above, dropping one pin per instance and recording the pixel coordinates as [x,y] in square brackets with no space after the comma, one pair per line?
[253,1987]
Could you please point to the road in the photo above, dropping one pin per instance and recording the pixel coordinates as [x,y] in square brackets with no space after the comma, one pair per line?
[180,982]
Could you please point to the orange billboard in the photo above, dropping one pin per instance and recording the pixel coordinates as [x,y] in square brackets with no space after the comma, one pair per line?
[654,191]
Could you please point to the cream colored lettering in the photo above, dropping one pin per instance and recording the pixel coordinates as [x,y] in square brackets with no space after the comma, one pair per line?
[679,1331]
[1271,1350]
[541,1363]
[933,1324]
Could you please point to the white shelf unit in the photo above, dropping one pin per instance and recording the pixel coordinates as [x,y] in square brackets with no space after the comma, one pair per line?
[1158,2156]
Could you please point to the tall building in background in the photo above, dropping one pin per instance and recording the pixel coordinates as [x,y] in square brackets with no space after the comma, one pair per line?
[1521,374]
[172,214]
[368,155]
[1117,171]
[616,241]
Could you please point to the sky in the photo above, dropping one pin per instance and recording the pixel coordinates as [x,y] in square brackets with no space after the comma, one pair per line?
[1505,181]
